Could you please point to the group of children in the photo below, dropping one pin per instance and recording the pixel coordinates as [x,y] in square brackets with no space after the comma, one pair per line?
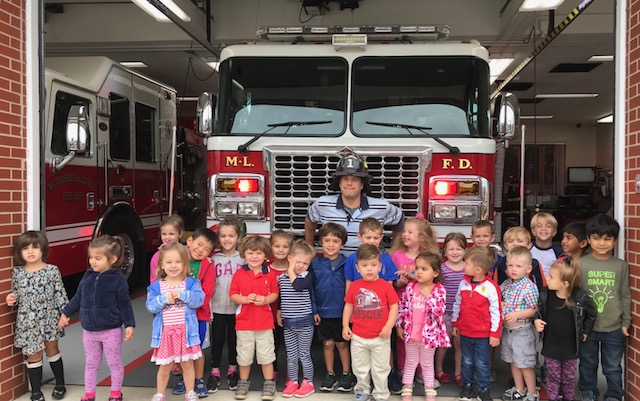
[389,315]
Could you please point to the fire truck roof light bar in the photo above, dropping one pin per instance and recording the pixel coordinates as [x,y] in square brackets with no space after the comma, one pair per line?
[375,33]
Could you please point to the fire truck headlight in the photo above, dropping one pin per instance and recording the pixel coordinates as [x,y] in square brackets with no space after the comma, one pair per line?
[226,209]
[248,208]
[444,212]
[470,212]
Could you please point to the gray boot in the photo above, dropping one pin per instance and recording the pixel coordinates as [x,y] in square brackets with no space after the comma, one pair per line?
[242,390]
[268,390]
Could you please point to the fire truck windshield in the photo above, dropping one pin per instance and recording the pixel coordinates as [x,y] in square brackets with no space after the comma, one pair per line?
[258,91]
[448,94]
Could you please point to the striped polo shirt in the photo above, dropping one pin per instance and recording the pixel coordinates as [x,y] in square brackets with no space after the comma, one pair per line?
[331,209]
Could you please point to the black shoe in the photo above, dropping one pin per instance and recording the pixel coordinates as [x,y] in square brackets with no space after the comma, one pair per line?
[37,396]
[59,392]
[232,380]
[346,382]
[213,383]
[466,393]
[484,395]
[395,384]
[329,383]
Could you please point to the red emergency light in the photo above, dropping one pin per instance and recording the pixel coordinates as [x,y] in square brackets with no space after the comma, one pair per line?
[247,185]
[444,188]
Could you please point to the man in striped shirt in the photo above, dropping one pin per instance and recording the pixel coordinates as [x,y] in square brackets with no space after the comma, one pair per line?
[351,206]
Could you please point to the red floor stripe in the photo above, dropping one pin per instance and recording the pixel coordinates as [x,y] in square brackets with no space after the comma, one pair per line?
[135,364]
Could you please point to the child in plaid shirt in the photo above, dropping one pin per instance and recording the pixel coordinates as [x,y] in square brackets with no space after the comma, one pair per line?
[519,305]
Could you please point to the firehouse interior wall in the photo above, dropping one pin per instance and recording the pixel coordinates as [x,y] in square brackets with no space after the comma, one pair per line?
[13,195]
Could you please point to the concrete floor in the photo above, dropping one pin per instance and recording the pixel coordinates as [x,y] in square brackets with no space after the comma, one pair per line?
[144,393]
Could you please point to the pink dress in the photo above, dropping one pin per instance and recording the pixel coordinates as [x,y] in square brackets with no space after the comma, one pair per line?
[173,342]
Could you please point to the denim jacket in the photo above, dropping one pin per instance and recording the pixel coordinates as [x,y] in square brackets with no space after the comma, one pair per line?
[192,296]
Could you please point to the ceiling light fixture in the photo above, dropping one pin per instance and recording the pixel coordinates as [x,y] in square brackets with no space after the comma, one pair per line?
[601,58]
[171,5]
[536,117]
[134,64]
[151,10]
[540,5]
[565,95]
[606,119]
[497,67]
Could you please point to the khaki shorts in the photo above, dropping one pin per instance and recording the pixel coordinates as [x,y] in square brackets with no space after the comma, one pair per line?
[260,343]
[518,346]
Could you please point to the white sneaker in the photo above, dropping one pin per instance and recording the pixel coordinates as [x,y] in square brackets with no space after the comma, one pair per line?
[157,397]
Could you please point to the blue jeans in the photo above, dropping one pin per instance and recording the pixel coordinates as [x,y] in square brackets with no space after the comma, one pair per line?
[610,347]
[476,357]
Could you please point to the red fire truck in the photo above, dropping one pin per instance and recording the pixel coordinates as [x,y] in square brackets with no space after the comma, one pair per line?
[107,151]
[418,110]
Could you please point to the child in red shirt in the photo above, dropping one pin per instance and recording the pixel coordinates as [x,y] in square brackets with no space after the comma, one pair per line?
[253,288]
[372,306]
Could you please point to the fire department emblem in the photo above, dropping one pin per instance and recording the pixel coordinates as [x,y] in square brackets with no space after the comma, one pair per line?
[367,300]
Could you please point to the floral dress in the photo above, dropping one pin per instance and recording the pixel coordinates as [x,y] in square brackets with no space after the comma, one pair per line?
[40,297]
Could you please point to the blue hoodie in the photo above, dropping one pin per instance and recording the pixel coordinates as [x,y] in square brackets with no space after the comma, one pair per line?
[192,296]
[329,286]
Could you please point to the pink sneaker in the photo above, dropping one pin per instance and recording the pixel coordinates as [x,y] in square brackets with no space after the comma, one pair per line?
[290,389]
[305,390]
[176,369]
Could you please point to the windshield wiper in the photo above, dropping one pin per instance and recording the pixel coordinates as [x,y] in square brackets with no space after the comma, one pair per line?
[454,150]
[244,148]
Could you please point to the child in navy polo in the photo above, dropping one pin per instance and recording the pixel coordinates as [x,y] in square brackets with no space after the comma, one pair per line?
[329,289]
[253,288]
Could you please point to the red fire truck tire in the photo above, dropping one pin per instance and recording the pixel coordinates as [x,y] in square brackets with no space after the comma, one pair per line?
[134,248]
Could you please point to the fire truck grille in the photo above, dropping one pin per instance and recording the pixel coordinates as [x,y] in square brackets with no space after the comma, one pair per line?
[298,177]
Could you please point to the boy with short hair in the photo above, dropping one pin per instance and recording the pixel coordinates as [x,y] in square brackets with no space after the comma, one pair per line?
[329,289]
[371,233]
[606,279]
[519,302]
[371,305]
[574,240]
[482,233]
[518,236]
[199,246]
[544,227]
[477,319]
[253,288]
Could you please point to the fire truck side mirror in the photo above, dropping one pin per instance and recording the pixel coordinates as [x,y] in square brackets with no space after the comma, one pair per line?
[204,114]
[505,116]
[77,129]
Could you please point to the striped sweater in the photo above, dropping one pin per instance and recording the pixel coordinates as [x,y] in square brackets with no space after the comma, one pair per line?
[296,300]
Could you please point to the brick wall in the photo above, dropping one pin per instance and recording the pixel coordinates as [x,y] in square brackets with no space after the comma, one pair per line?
[632,200]
[12,181]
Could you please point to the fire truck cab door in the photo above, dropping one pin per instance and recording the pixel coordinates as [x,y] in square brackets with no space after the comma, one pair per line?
[71,185]
[115,141]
